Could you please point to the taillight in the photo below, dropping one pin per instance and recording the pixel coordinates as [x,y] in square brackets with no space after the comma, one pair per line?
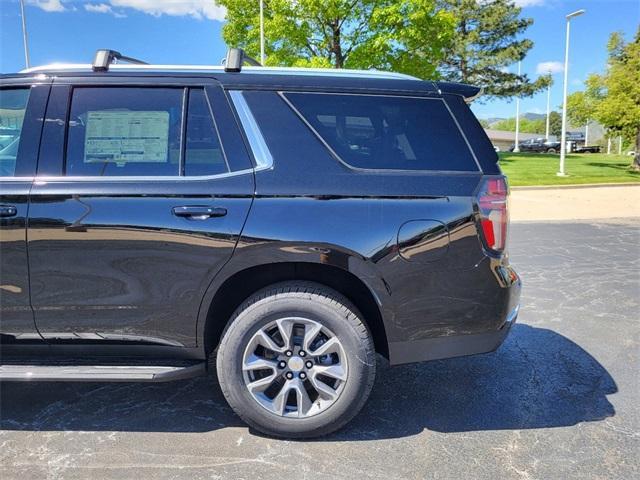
[494,216]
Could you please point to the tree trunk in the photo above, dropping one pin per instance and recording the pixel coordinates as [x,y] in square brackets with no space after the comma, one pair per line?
[463,57]
[336,47]
[636,159]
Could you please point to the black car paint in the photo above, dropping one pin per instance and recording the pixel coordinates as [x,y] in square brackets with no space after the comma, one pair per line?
[149,277]
[16,315]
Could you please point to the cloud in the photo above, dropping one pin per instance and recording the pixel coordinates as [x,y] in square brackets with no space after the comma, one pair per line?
[543,68]
[181,8]
[192,8]
[102,8]
[529,3]
[48,5]
[576,82]
[98,7]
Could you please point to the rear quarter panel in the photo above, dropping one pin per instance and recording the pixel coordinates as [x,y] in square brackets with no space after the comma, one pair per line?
[312,208]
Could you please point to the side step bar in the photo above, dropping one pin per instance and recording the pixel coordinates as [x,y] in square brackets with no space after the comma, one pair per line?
[99,373]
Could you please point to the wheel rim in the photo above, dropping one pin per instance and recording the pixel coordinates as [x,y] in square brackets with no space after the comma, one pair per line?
[294,367]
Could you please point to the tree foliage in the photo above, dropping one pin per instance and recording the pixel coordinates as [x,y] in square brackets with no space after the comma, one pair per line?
[470,41]
[613,98]
[532,126]
[406,36]
[555,124]
[526,125]
[486,41]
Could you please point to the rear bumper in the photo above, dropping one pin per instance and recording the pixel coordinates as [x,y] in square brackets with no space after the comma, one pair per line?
[461,345]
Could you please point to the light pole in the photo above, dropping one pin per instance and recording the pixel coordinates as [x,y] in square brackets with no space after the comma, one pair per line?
[262,32]
[516,147]
[586,133]
[563,136]
[24,35]
[546,136]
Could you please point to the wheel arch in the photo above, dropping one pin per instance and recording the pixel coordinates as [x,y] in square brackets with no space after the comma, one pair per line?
[238,286]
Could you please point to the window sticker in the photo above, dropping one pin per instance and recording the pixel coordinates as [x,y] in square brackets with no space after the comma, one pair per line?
[122,136]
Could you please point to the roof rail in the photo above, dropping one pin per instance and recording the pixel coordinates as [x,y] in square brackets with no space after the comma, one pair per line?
[105,57]
[235,58]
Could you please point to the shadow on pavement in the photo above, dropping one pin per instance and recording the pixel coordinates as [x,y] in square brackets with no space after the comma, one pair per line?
[537,379]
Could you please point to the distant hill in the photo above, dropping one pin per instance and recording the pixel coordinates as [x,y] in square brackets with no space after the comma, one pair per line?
[529,116]
[493,120]
[535,116]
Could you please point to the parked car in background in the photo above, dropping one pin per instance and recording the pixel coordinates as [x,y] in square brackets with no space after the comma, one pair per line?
[290,223]
[538,145]
[586,149]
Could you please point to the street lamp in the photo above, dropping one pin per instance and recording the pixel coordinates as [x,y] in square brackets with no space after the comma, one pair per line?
[563,137]
[24,35]
[546,134]
[516,147]
[262,32]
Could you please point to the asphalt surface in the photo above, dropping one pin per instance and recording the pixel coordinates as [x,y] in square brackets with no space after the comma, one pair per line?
[560,399]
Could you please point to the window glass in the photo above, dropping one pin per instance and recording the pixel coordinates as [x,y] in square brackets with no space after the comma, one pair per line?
[13,103]
[124,132]
[387,132]
[203,155]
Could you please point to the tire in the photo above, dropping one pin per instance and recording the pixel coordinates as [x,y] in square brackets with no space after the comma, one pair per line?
[551,150]
[289,303]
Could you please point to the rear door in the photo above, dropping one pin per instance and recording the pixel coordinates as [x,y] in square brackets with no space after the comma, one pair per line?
[22,104]
[139,200]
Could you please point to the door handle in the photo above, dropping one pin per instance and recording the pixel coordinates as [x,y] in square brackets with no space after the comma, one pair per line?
[199,212]
[8,211]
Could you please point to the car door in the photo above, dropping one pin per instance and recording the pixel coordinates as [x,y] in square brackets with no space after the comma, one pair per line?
[22,104]
[139,200]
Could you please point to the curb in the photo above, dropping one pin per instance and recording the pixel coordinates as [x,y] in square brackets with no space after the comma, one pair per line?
[572,186]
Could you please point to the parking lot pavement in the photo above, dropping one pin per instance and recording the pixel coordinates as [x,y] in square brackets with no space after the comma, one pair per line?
[558,400]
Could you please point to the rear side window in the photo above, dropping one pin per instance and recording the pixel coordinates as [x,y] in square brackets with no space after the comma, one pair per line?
[122,131]
[386,132]
[13,103]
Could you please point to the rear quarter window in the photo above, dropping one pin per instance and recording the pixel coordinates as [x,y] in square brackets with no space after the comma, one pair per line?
[386,132]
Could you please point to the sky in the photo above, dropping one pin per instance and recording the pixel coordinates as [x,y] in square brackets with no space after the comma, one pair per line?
[189,32]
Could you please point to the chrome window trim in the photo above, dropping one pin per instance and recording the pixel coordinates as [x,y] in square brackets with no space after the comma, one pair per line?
[16,179]
[138,179]
[383,170]
[259,148]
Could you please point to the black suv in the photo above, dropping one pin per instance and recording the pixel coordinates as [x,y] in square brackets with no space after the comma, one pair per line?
[538,145]
[290,223]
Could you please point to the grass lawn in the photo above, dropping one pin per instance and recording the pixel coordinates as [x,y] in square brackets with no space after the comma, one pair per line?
[540,169]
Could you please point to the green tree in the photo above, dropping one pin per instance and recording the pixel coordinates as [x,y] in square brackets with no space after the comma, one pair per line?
[613,98]
[555,124]
[486,41]
[404,36]
[580,108]
[526,125]
[484,123]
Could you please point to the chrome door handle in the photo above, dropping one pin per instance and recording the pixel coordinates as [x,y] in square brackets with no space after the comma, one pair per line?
[199,212]
[8,211]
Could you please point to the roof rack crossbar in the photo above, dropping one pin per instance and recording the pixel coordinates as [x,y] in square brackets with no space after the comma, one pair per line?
[105,57]
[235,58]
